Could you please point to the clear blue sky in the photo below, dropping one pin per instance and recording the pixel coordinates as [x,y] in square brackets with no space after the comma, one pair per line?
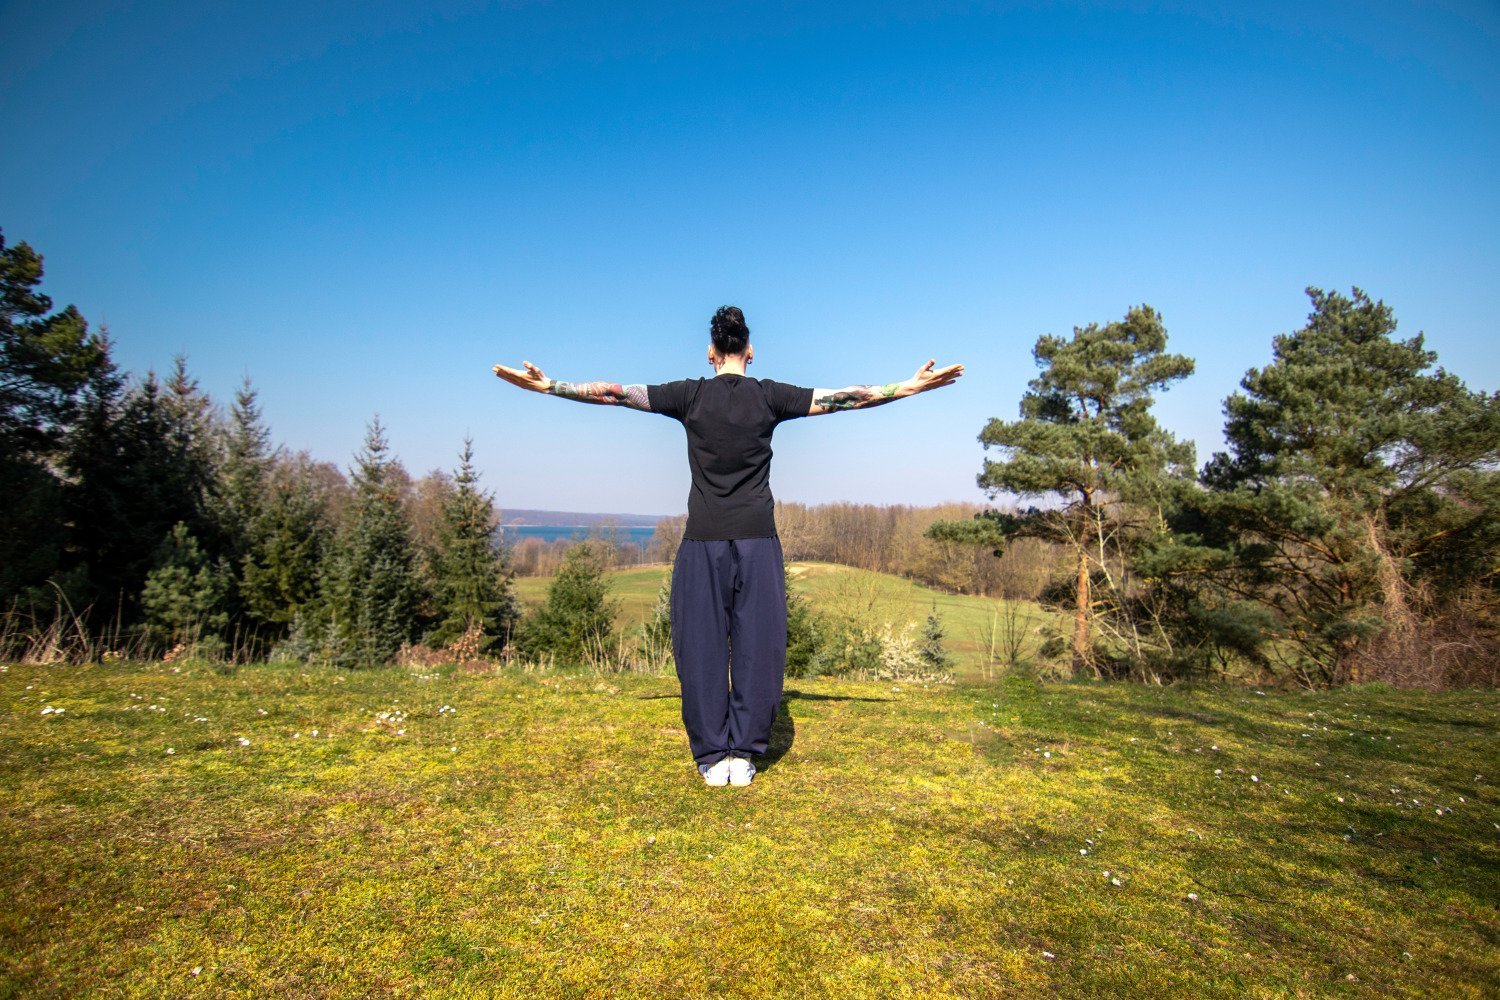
[366,205]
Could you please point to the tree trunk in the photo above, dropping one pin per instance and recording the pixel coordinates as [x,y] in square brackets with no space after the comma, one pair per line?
[1081,658]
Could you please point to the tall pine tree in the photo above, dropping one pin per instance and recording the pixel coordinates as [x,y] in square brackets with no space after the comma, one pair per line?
[1087,441]
[1357,474]
[47,364]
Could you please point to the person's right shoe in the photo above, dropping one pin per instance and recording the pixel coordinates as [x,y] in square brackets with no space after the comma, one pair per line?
[717,773]
[740,770]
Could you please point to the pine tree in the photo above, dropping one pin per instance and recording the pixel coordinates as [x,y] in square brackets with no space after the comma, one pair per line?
[372,591]
[471,583]
[1087,439]
[47,366]
[1356,474]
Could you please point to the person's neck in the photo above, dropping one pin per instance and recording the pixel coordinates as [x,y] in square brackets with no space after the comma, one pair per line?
[730,366]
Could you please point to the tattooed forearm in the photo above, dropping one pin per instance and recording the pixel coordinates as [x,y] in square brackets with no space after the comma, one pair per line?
[610,393]
[855,397]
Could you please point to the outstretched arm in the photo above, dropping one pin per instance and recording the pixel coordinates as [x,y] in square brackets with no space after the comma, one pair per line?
[858,397]
[609,393]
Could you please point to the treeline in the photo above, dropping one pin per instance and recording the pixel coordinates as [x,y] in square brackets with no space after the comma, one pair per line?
[1351,532]
[896,539]
[140,518]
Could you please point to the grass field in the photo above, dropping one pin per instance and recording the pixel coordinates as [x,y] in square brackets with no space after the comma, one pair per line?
[843,589]
[439,833]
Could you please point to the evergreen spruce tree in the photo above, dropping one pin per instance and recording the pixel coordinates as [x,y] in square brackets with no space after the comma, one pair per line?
[292,534]
[930,649]
[135,471]
[372,590]
[244,473]
[578,615]
[471,582]
[184,595]
[806,635]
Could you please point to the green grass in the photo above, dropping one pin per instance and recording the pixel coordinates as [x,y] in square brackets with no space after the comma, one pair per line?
[842,589]
[551,838]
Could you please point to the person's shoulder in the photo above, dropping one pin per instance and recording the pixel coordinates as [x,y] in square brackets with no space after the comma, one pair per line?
[772,385]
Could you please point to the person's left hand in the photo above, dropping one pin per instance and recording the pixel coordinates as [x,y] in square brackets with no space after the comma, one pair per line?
[532,378]
[927,378]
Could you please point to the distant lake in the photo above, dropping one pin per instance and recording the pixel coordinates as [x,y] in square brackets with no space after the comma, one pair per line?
[626,536]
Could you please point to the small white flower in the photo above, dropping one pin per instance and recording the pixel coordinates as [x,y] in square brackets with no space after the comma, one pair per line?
[1048,954]
[1255,777]
[1083,850]
[1193,896]
[1047,754]
[1218,771]
[244,742]
[1341,798]
[453,749]
[48,710]
[170,750]
[400,732]
[315,732]
[1114,881]
[197,969]
[296,736]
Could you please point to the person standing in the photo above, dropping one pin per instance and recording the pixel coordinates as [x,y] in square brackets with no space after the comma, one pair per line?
[729,620]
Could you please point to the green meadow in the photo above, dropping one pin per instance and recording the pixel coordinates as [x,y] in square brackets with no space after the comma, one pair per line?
[274,830]
[832,588]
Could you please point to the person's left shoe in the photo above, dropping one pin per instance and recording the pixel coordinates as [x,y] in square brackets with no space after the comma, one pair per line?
[741,771]
[717,773]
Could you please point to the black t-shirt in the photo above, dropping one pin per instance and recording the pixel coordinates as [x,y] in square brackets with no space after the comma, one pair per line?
[729,420]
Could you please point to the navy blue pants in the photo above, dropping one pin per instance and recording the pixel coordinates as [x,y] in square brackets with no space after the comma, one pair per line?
[729,641]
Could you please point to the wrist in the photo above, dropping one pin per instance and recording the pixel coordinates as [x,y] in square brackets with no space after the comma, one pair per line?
[908,388]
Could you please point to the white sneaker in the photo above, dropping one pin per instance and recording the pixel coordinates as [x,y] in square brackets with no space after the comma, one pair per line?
[740,770]
[715,774]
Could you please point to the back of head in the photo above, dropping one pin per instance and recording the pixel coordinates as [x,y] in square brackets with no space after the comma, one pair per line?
[730,334]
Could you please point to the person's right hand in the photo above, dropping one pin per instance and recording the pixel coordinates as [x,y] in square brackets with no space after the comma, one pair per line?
[532,378]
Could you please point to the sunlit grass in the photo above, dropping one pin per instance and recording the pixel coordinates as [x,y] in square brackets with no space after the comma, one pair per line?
[833,588]
[435,833]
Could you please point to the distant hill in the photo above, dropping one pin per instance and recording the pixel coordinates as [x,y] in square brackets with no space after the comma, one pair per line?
[573,519]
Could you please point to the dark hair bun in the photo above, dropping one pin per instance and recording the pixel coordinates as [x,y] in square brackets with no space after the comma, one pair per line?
[730,334]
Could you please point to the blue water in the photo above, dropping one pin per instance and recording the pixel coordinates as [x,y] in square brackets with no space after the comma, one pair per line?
[626,536]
